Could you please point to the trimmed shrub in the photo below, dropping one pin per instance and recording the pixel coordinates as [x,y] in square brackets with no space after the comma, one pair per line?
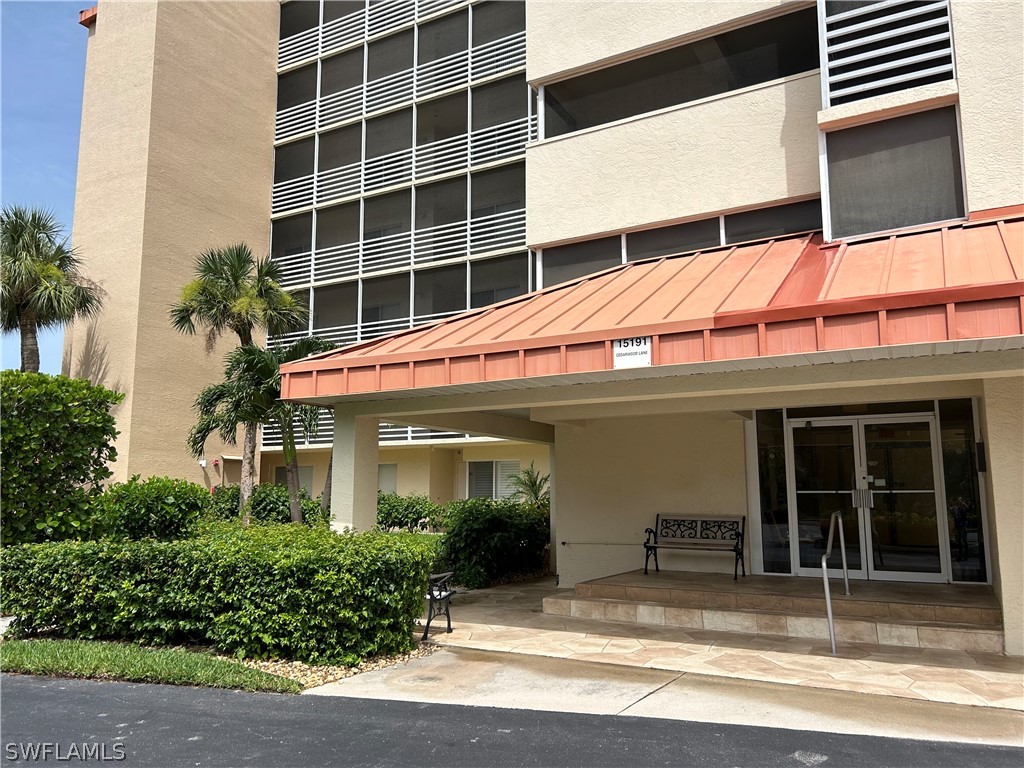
[155,508]
[490,540]
[223,503]
[282,591]
[269,504]
[409,513]
[57,437]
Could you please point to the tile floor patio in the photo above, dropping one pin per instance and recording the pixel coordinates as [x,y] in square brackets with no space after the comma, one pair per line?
[510,619]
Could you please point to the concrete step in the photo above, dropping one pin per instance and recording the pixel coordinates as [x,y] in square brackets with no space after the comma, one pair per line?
[851,607]
[762,621]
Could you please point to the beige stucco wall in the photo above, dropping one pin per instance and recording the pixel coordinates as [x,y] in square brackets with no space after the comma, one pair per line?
[990,73]
[564,35]
[615,475]
[1003,425]
[742,149]
[176,156]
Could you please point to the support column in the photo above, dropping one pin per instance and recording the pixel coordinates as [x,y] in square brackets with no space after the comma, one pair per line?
[1004,447]
[354,473]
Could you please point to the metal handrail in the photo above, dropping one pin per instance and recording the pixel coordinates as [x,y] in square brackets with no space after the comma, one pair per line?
[838,515]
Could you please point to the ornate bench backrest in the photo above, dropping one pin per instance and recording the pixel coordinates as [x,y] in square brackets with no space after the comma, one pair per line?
[699,528]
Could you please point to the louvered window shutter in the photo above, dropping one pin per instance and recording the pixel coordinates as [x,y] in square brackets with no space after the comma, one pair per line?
[481,479]
[505,471]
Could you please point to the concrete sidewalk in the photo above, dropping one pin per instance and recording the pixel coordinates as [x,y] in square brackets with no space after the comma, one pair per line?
[516,681]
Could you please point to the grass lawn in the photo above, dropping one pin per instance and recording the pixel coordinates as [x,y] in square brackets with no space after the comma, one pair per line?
[122,661]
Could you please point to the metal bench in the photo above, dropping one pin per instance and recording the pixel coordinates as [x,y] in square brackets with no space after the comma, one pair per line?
[716,533]
[439,596]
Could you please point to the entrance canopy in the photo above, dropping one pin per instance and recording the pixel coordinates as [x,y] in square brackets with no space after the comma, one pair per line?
[788,296]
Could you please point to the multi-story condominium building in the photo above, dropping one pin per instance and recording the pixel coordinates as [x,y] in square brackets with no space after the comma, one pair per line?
[759,259]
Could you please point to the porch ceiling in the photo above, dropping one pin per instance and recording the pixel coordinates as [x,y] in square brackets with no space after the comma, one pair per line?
[782,299]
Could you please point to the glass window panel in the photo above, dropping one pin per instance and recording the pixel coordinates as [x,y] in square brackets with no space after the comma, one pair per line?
[440,290]
[298,16]
[443,37]
[301,298]
[568,262]
[386,298]
[293,161]
[772,222]
[497,19]
[499,190]
[500,102]
[337,225]
[387,478]
[341,147]
[768,50]
[441,118]
[292,235]
[389,133]
[441,203]
[861,409]
[964,514]
[341,72]
[336,9]
[389,55]
[680,238]
[305,474]
[895,173]
[771,466]
[387,214]
[296,87]
[493,280]
[335,305]
[481,479]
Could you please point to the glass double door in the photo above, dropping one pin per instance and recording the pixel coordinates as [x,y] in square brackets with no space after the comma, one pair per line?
[882,473]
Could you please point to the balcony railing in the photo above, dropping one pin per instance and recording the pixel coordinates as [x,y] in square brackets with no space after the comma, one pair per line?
[484,145]
[501,56]
[379,18]
[481,234]
[387,433]
[344,335]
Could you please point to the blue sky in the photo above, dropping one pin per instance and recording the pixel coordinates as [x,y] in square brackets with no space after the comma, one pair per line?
[42,68]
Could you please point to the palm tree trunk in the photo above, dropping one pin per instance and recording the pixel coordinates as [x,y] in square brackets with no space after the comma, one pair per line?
[29,343]
[291,468]
[248,468]
[325,499]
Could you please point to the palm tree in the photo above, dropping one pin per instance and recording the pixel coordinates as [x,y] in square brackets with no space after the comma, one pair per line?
[233,291]
[531,487]
[40,282]
[251,392]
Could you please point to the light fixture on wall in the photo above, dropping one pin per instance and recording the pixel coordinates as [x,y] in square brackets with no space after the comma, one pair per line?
[202,463]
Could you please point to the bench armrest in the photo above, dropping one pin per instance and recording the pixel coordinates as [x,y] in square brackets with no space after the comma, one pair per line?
[438,586]
[651,536]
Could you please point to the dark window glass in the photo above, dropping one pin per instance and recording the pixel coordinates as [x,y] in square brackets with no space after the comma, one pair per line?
[387,215]
[389,55]
[499,102]
[340,148]
[441,118]
[337,225]
[493,280]
[692,236]
[441,203]
[499,190]
[771,472]
[292,161]
[336,9]
[341,72]
[443,37]
[568,262]
[296,87]
[771,49]
[298,16]
[895,173]
[335,305]
[440,290]
[385,298]
[964,513]
[389,133]
[861,409]
[292,235]
[774,221]
[302,299]
[497,19]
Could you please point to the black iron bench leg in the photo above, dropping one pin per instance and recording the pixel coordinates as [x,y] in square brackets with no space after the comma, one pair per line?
[448,614]
[430,617]
[647,558]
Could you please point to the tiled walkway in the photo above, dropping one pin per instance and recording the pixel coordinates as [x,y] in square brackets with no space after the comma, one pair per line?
[510,619]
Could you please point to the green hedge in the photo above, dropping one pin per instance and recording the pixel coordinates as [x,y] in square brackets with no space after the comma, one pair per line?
[154,508]
[282,591]
[490,541]
[269,504]
[409,513]
[56,437]
[223,503]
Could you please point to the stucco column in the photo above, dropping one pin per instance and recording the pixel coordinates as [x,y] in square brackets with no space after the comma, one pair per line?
[1004,446]
[354,472]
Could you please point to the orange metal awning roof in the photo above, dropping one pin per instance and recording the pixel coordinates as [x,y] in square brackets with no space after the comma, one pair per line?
[785,296]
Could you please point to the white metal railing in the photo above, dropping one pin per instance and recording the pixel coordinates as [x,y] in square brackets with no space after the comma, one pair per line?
[481,234]
[886,46]
[387,433]
[497,57]
[837,517]
[484,145]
